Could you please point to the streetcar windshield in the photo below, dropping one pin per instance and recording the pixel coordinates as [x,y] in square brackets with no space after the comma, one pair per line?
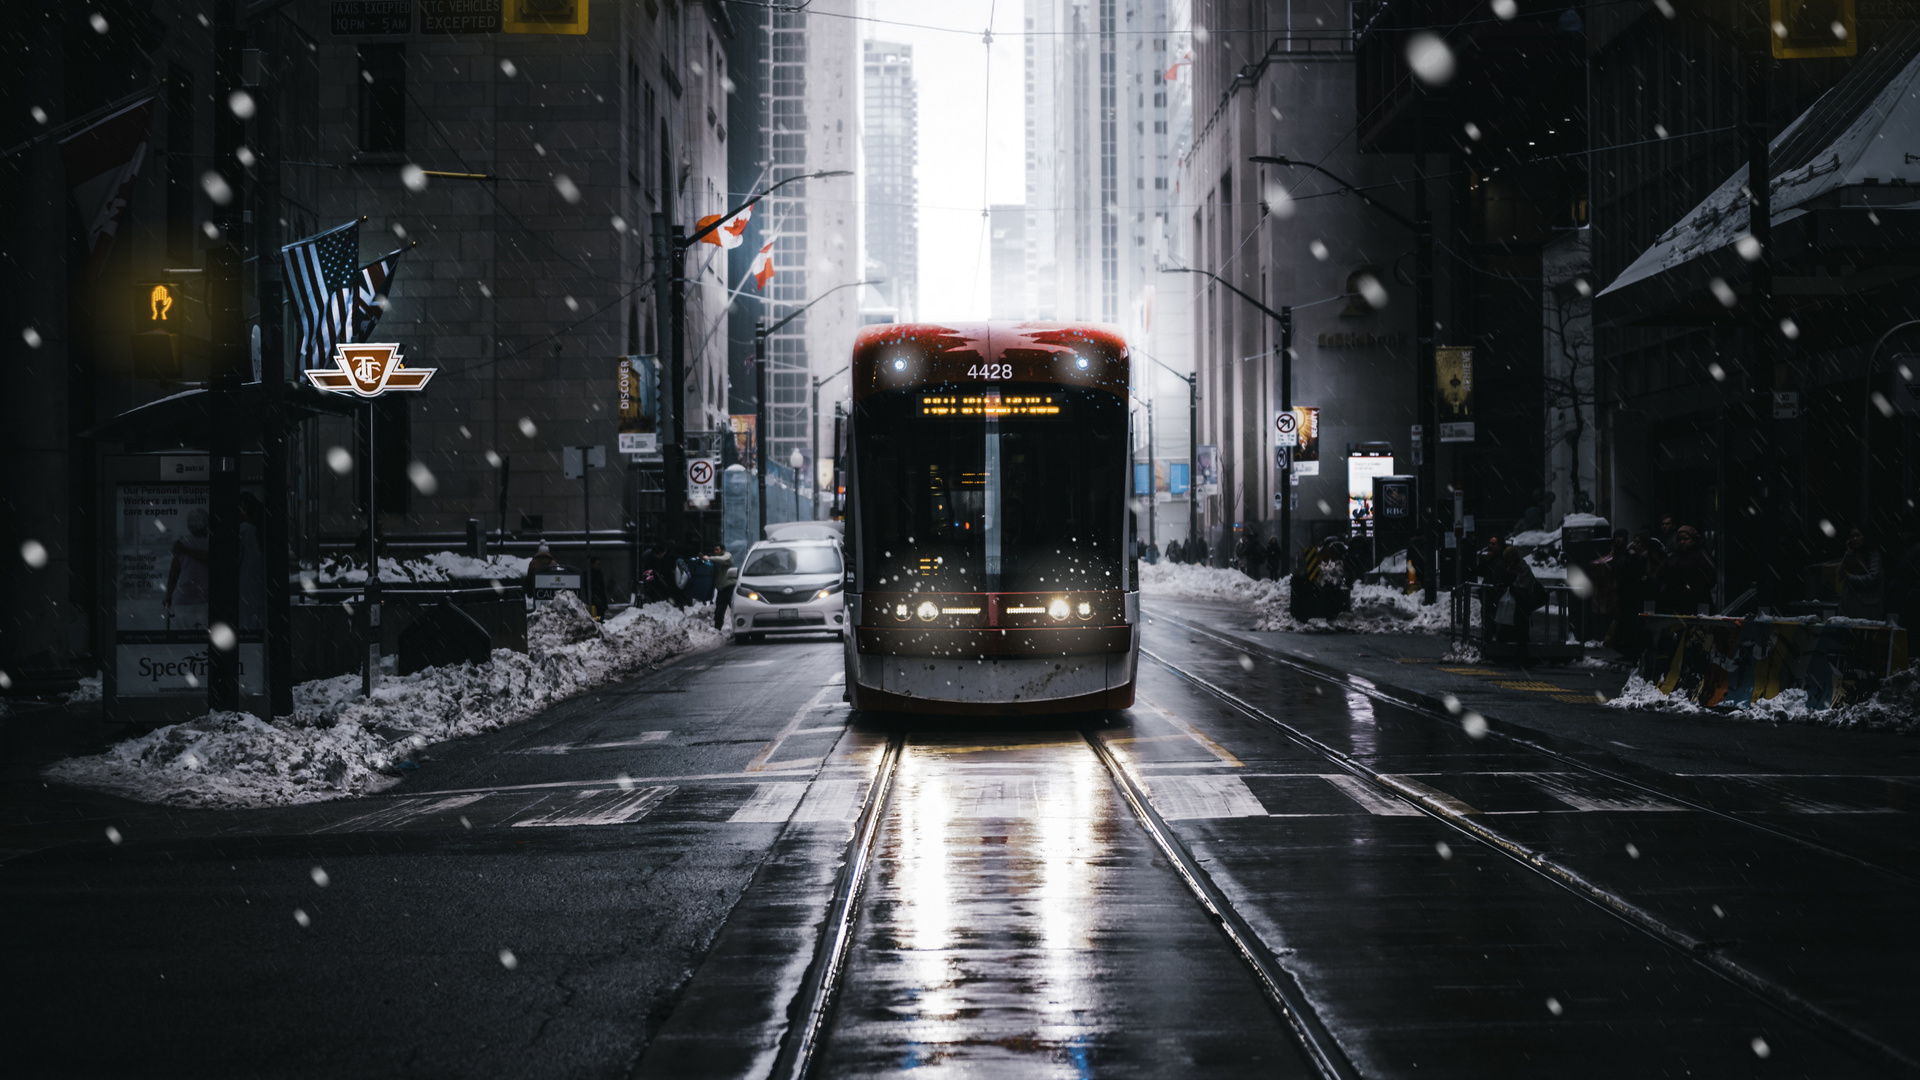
[991,498]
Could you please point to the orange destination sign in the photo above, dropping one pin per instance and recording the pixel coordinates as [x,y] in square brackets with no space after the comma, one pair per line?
[368,371]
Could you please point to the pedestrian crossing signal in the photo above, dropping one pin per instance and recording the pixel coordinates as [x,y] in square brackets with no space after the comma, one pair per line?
[545,17]
[156,306]
[1805,29]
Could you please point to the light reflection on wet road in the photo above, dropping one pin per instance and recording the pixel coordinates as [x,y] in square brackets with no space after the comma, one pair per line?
[1019,923]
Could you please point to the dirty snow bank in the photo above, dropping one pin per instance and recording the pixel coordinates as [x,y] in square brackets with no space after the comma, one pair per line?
[1894,707]
[340,744]
[1377,609]
[438,566]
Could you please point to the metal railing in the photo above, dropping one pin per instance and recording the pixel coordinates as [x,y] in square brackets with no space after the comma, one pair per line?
[1549,630]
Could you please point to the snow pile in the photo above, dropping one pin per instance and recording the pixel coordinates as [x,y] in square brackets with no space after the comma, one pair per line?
[1377,609]
[438,566]
[90,690]
[1894,707]
[341,744]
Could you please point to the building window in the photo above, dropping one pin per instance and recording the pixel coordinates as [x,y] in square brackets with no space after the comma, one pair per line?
[1159,127]
[383,98]
[1159,183]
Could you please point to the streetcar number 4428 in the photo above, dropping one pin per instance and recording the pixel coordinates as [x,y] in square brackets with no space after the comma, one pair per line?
[990,371]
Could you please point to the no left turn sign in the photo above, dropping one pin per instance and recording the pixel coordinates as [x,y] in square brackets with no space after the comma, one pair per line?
[700,472]
[1286,421]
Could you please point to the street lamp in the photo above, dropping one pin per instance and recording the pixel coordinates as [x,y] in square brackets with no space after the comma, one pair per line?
[670,296]
[796,461]
[761,332]
[1285,318]
[1425,404]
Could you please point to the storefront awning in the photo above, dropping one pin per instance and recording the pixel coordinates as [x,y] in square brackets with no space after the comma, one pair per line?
[1846,208]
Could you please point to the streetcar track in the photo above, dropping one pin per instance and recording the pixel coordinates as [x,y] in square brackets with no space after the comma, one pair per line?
[813,1005]
[1282,990]
[1433,711]
[1704,952]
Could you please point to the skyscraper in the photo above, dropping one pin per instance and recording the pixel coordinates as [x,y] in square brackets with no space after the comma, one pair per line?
[1007,260]
[890,139]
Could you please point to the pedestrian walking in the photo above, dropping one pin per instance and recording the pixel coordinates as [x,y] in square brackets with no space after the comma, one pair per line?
[596,588]
[1274,570]
[1522,597]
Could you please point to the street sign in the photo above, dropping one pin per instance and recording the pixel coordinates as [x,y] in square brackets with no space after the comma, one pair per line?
[1454,433]
[1286,426]
[546,17]
[700,479]
[1786,405]
[460,16]
[368,371]
[573,467]
[1803,30]
[366,18]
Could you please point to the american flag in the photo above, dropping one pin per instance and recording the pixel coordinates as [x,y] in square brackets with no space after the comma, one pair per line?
[320,276]
[370,293]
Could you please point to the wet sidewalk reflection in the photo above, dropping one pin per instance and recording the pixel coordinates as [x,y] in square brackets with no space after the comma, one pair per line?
[1018,923]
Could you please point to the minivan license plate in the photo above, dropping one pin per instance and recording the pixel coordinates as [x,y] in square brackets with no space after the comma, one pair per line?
[788,614]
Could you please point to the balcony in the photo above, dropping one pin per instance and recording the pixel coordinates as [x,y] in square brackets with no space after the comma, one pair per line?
[1520,82]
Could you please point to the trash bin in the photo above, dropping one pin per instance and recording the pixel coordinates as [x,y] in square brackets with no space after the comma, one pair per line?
[700,585]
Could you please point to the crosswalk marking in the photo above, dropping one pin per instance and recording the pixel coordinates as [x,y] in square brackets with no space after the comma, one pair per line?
[401,812]
[831,800]
[1431,795]
[770,803]
[1370,798]
[615,807]
[992,796]
[1805,804]
[1569,790]
[1185,798]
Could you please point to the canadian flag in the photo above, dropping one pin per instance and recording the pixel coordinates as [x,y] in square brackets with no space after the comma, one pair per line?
[762,269]
[728,235]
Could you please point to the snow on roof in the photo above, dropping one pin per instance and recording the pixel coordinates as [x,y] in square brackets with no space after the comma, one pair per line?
[1879,105]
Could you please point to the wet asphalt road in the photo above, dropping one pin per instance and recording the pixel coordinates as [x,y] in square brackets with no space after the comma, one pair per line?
[639,881]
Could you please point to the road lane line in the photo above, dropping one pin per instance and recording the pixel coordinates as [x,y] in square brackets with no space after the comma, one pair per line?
[642,739]
[761,760]
[1373,801]
[1194,733]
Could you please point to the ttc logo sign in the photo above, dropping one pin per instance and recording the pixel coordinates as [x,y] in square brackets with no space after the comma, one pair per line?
[368,371]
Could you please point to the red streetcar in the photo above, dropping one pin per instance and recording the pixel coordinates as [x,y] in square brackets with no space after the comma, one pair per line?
[989,539]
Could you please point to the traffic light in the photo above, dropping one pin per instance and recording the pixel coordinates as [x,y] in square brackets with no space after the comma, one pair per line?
[545,17]
[1803,29]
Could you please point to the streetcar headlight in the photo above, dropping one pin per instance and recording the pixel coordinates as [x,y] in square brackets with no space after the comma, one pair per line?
[1080,362]
[900,612]
[927,611]
[899,365]
[1084,610]
[1058,609]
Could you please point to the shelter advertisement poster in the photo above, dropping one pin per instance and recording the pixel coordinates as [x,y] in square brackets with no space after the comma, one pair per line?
[745,445]
[1453,388]
[161,576]
[1177,478]
[1306,450]
[1361,469]
[1208,467]
[638,407]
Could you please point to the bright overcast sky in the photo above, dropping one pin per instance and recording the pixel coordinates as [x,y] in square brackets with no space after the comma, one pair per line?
[951,72]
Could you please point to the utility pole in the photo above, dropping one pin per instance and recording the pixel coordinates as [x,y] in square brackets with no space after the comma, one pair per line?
[664,259]
[675,455]
[1426,403]
[1768,377]
[1286,408]
[1193,456]
[1153,473]
[231,367]
[760,421]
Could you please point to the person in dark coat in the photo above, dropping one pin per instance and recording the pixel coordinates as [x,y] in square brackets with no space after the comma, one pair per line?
[1685,578]
[1274,570]
[596,588]
[1527,596]
[1199,551]
[1863,574]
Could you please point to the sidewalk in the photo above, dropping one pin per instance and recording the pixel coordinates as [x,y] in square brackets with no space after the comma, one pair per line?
[1554,704]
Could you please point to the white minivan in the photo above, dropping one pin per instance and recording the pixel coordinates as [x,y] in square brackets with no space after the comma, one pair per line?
[789,587]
